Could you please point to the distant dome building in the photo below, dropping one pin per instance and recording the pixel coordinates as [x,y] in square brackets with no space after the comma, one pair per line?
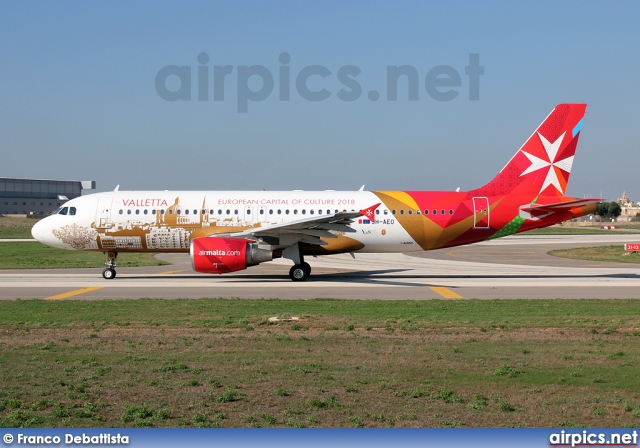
[624,200]
[629,210]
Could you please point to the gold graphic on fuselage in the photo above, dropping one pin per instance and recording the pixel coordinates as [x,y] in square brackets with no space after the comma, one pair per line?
[173,229]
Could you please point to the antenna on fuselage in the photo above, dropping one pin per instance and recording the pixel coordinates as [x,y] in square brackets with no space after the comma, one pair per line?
[117,188]
[361,188]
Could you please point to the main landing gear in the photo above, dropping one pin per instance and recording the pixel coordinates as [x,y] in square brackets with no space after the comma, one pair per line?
[110,271]
[300,272]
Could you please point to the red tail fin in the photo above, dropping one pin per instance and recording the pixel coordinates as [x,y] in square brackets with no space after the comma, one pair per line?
[543,164]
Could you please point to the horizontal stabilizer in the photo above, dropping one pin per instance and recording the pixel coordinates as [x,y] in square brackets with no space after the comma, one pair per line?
[559,206]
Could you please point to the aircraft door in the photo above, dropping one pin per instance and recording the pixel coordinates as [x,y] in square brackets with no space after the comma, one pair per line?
[480,213]
[103,214]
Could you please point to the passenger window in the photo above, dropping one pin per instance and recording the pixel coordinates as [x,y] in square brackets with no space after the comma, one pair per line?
[186,212]
[442,212]
[304,212]
[451,212]
[235,212]
[195,212]
[377,212]
[295,212]
[219,212]
[417,212]
[211,212]
[402,212]
[120,212]
[271,211]
[137,211]
[435,212]
[146,212]
[228,212]
[426,212]
[411,212]
[162,212]
[286,212]
[393,212]
[279,212]
[311,212]
[129,212]
[386,212]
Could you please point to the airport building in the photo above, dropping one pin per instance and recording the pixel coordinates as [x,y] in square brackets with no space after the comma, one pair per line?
[38,197]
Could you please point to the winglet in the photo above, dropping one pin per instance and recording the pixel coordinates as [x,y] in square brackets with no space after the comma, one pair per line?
[369,212]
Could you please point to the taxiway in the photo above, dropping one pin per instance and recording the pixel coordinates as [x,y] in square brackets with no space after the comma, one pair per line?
[512,267]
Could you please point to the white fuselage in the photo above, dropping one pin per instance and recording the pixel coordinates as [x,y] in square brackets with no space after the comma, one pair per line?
[164,221]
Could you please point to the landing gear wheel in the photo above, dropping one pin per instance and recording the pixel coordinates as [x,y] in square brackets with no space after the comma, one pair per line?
[110,271]
[300,272]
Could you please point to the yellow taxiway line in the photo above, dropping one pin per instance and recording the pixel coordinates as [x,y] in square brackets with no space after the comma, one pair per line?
[445,292]
[75,292]
[170,272]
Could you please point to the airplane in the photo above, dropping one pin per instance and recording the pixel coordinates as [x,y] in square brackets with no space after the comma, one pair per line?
[228,231]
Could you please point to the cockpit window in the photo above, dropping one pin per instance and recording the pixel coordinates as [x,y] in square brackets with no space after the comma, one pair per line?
[65,211]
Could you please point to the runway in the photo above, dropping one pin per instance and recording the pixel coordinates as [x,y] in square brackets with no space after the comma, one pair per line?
[508,268]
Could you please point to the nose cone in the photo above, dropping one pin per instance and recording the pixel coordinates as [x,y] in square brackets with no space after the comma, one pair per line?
[41,231]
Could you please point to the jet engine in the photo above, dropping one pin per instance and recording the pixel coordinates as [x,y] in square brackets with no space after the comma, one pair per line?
[213,255]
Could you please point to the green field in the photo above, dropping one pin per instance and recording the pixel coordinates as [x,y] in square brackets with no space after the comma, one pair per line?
[16,227]
[219,362]
[557,230]
[33,255]
[599,253]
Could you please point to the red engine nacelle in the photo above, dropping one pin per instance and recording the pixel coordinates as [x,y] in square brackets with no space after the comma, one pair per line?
[214,255]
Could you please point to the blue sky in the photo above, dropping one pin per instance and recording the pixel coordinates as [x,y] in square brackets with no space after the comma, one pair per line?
[79,99]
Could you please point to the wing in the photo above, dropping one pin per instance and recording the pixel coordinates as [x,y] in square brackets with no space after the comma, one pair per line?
[307,230]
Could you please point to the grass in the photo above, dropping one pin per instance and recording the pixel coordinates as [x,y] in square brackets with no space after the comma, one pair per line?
[33,255]
[599,253]
[219,362]
[16,227]
[560,230]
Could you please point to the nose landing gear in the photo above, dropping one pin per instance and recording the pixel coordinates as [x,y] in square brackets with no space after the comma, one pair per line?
[110,271]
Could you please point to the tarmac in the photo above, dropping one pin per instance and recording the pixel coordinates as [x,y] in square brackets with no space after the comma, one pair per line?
[507,268]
